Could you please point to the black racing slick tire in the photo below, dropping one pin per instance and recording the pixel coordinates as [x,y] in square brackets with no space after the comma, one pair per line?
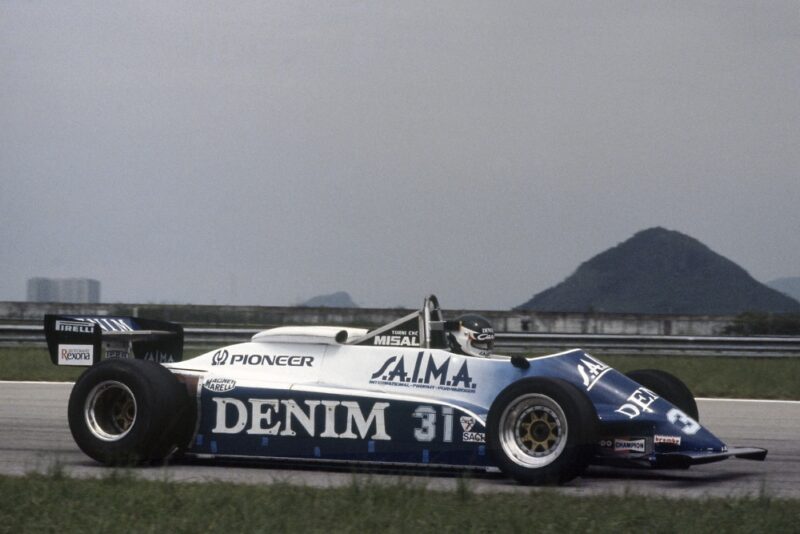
[669,387]
[128,412]
[542,431]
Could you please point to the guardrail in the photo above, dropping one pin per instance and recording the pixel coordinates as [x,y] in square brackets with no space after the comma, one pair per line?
[646,345]
[514,343]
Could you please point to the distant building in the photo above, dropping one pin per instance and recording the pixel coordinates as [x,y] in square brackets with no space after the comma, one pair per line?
[82,290]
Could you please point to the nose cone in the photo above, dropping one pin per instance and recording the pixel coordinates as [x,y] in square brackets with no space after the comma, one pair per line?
[627,405]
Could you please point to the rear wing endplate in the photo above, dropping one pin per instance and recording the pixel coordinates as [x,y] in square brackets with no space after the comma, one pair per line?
[88,339]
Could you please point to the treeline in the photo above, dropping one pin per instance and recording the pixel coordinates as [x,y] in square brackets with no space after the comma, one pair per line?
[765,324]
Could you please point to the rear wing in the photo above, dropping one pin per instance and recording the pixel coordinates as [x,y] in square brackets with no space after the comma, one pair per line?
[86,340]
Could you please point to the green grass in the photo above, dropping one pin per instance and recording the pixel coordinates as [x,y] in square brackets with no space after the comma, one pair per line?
[30,363]
[122,503]
[33,363]
[760,378]
[742,378]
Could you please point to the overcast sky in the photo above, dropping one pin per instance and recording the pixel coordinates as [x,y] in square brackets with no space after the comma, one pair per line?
[267,152]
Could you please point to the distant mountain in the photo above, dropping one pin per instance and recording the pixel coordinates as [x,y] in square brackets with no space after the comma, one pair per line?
[340,299]
[661,271]
[787,286]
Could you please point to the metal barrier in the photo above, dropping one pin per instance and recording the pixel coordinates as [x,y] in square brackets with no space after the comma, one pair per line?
[515,343]
[19,334]
[646,345]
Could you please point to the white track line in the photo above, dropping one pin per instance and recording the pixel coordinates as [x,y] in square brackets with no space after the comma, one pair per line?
[35,382]
[748,400]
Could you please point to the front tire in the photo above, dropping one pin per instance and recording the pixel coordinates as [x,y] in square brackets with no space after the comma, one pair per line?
[669,387]
[542,431]
[126,412]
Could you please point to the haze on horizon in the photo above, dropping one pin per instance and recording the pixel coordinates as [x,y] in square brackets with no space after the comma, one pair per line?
[264,153]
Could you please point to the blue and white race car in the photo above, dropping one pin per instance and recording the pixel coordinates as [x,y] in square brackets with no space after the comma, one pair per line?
[420,391]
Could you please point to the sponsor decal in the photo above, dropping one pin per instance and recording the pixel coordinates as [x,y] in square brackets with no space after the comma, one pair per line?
[116,353]
[687,425]
[220,385]
[397,341]
[659,439]
[639,401]
[486,335]
[285,417]
[109,324]
[629,445]
[401,335]
[467,422]
[159,356]
[473,437]
[221,357]
[424,372]
[74,326]
[75,354]
[591,370]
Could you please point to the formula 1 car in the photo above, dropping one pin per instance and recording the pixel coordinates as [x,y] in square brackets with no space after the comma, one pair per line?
[398,395]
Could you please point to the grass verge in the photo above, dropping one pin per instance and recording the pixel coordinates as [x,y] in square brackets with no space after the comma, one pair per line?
[758,378]
[738,378]
[122,503]
[33,363]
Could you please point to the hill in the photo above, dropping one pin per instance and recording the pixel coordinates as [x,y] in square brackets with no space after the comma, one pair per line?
[787,286]
[662,272]
[340,299]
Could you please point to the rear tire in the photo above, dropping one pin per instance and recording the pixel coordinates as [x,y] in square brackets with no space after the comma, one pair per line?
[669,387]
[542,431]
[126,412]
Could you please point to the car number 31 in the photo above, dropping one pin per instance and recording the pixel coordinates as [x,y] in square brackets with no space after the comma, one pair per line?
[426,431]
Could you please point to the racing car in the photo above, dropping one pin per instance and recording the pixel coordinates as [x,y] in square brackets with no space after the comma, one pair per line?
[419,391]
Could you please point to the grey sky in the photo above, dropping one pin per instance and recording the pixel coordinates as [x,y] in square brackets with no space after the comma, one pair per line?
[267,152]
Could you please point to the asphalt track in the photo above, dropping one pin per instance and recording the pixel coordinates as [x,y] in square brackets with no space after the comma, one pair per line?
[34,437]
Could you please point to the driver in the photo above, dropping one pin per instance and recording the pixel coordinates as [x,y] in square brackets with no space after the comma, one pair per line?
[473,337]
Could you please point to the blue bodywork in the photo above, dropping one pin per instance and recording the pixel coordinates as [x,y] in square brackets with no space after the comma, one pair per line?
[401,394]
[400,415]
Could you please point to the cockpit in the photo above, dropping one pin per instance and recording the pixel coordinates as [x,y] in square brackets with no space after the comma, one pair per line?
[471,335]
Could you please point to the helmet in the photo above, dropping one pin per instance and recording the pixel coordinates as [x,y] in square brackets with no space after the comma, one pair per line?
[473,336]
